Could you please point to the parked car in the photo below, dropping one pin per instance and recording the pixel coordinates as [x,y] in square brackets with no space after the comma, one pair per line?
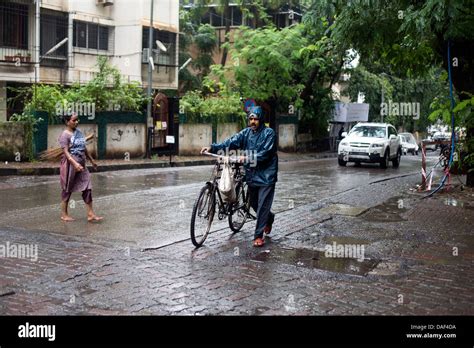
[409,144]
[370,143]
[443,137]
[431,147]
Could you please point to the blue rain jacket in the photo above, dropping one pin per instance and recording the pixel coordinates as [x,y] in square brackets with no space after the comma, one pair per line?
[261,146]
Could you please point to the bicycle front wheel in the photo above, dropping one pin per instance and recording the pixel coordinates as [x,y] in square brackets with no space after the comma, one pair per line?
[240,208]
[202,216]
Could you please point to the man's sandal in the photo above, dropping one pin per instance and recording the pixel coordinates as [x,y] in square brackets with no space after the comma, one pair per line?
[258,242]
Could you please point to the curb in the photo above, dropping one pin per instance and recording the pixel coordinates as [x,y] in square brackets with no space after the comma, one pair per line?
[148,165]
[104,168]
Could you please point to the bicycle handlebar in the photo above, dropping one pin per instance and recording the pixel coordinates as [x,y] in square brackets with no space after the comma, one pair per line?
[230,158]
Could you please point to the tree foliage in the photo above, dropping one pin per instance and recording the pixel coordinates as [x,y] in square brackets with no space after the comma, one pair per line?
[198,108]
[409,38]
[106,89]
[292,68]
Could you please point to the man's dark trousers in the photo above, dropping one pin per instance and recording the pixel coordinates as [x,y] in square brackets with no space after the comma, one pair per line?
[261,199]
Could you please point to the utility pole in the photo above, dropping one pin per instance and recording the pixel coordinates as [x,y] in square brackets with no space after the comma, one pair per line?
[37,43]
[150,61]
[150,70]
[382,105]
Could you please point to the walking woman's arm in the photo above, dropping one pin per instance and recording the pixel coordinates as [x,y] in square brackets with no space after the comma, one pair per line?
[71,160]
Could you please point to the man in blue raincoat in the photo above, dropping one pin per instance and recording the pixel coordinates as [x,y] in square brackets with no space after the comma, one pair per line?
[261,167]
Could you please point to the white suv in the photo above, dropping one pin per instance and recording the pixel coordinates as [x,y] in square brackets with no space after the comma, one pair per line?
[370,143]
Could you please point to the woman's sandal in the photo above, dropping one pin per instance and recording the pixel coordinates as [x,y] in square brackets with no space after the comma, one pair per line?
[259,242]
[94,218]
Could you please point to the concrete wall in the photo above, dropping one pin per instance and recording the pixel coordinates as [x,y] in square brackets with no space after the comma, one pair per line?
[54,131]
[125,138]
[192,137]
[12,141]
[287,137]
[226,130]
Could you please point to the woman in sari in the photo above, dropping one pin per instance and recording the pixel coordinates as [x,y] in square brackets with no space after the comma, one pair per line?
[74,176]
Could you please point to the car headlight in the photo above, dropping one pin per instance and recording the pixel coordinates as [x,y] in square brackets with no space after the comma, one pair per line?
[344,143]
[376,145]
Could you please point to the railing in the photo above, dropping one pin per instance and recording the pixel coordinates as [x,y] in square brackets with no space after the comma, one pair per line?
[16,33]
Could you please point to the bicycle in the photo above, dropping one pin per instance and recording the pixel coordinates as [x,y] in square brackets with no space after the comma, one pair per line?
[204,209]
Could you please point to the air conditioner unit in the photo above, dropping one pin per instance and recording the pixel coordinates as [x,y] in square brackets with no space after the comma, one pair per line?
[145,53]
[105,2]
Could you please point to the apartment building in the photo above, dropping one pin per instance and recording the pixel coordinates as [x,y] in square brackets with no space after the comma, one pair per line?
[213,14]
[58,41]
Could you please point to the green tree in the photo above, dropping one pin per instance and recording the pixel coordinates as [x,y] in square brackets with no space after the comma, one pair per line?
[290,68]
[409,37]
[421,90]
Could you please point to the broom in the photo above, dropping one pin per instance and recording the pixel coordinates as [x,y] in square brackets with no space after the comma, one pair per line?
[54,154]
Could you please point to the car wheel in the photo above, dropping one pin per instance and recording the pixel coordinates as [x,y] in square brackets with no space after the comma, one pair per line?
[396,160]
[385,160]
[341,162]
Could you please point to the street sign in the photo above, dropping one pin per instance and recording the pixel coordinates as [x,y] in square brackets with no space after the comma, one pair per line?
[351,112]
[357,112]
[340,112]
[170,139]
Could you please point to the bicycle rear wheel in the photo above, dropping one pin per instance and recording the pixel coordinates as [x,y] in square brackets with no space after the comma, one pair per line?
[202,216]
[240,208]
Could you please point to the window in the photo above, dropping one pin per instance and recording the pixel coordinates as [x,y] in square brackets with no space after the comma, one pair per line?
[91,35]
[206,18]
[236,16]
[13,25]
[168,39]
[103,38]
[217,20]
[53,31]
[391,131]
[368,131]
[80,34]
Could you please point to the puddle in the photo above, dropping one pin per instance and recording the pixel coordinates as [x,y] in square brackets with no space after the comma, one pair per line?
[456,203]
[316,259]
[345,240]
[386,269]
[343,209]
[389,211]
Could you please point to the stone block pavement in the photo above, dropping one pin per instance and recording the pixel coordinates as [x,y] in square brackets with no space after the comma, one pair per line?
[418,261]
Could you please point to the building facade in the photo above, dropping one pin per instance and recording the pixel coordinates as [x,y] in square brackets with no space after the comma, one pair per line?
[58,41]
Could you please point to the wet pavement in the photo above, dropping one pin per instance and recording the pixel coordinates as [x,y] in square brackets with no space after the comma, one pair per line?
[345,241]
[152,207]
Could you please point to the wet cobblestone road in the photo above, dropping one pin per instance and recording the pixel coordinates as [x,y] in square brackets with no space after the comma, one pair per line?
[417,257]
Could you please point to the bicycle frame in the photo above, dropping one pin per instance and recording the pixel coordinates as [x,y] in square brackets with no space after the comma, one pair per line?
[224,208]
[237,212]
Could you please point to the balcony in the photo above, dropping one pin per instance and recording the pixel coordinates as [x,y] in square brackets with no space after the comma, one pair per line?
[16,33]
